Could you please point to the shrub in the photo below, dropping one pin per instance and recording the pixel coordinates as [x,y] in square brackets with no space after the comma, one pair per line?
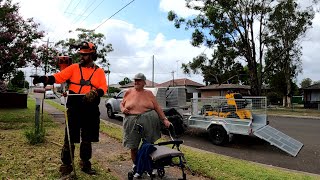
[34,137]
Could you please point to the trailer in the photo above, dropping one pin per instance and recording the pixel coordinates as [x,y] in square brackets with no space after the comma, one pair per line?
[224,117]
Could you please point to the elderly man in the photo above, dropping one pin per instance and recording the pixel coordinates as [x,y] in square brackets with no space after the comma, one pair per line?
[141,108]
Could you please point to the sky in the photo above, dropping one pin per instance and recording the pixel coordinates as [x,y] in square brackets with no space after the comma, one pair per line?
[140,32]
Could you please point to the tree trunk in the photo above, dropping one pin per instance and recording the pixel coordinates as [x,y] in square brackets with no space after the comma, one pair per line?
[289,101]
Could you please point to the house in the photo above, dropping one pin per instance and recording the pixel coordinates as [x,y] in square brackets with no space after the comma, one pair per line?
[222,89]
[312,96]
[191,86]
[118,86]
[148,84]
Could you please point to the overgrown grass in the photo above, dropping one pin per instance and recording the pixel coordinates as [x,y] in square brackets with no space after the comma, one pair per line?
[221,167]
[213,165]
[112,130]
[20,160]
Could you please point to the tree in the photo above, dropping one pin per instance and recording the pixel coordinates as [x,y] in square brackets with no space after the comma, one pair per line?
[228,26]
[287,25]
[278,86]
[316,82]
[16,39]
[18,81]
[218,70]
[305,83]
[125,81]
[236,29]
[114,90]
[66,47]
[47,56]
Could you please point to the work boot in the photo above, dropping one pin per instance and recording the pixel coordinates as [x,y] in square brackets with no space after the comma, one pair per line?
[65,169]
[86,167]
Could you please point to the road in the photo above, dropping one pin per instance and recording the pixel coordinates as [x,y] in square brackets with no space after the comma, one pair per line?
[305,130]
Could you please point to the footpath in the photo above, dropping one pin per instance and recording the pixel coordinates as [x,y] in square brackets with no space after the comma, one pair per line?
[112,157]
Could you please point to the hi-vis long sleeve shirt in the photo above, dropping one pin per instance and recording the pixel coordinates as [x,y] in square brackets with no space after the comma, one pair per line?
[73,73]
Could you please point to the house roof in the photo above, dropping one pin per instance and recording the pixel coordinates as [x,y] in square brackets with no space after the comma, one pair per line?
[115,85]
[225,86]
[148,84]
[314,86]
[180,82]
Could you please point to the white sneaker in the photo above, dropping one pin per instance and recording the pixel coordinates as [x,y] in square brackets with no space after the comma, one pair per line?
[136,175]
[154,172]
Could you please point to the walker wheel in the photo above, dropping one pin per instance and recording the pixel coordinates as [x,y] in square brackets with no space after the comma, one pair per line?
[130,175]
[161,172]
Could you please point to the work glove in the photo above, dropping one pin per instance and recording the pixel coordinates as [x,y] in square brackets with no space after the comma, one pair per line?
[91,97]
[40,79]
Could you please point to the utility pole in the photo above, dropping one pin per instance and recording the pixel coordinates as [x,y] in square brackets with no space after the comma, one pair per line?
[47,58]
[177,67]
[152,70]
[108,73]
[172,72]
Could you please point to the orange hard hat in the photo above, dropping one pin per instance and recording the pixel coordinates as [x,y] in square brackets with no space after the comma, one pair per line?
[87,47]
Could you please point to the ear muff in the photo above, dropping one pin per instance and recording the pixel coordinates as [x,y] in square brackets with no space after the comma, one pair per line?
[94,56]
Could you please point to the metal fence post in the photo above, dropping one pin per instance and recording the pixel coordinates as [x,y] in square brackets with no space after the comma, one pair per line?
[37,115]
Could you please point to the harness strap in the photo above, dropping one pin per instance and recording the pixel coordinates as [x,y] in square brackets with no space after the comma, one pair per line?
[85,82]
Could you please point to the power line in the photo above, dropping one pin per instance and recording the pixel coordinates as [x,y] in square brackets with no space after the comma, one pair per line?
[85,17]
[68,6]
[129,57]
[114,14]
[76,6]
[82,14]
[92,11]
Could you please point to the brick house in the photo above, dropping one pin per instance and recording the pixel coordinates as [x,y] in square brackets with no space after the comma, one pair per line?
[222,89]
[190,86]
[311,96]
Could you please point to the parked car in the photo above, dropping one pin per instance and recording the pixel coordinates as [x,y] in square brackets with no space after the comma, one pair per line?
[50,95]
[167,98]
[63,99]
[113,104]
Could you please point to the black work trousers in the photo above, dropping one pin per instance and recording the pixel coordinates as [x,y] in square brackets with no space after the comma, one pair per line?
[83,121]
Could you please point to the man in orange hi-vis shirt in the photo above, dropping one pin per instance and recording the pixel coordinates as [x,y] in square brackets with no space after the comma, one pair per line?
[88,80]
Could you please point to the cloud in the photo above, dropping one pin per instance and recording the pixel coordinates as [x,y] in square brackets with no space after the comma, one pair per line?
[179,7]
[134,52]
[311,56]
[134,47]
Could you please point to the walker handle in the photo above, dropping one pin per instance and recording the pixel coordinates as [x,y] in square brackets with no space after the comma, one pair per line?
[175,142]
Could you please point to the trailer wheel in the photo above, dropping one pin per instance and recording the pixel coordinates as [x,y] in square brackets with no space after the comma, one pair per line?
[218,135]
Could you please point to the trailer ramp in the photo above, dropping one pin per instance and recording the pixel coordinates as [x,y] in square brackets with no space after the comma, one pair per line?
[279,139]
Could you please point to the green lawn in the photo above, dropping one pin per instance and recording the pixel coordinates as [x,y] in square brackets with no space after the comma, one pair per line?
[295,111]
[20,160]
[221,167]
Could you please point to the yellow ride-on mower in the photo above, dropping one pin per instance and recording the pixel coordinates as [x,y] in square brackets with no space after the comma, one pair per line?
[231,107]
